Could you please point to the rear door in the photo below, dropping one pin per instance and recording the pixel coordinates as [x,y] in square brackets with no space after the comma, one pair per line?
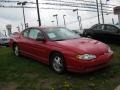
[113,33]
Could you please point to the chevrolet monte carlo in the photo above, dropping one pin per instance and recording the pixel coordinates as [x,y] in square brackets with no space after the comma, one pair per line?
[62,49]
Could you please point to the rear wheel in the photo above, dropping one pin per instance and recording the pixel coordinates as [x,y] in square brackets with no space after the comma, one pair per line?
[16,50]
[57,63]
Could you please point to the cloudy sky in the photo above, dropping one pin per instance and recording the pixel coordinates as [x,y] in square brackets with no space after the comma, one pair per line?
[14,16]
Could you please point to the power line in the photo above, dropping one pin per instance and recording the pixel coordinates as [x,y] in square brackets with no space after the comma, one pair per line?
[58,4]
[9,1]
[2,6]
[95,2]
[53,8]
[91,3]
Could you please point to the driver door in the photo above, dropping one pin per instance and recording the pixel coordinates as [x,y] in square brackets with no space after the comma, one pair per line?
[37,44]
[98,32]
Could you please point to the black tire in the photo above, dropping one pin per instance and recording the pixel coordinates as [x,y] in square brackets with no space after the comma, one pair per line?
[57,63]
[16,50]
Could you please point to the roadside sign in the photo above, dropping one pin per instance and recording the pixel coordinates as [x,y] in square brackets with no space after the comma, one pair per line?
[117,10]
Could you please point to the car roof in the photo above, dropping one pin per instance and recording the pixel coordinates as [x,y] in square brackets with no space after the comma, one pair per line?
[105,24]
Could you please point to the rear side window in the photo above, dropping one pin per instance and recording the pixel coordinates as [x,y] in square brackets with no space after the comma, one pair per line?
[26,33]
[111,29]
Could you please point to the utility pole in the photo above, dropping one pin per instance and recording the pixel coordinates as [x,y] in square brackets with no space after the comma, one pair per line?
[78,18]
[102,12]
[38,12]
[98,11]
[64,20]
[23,3]
[56,16]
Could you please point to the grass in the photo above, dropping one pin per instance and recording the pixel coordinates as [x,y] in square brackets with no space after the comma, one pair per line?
[21,73]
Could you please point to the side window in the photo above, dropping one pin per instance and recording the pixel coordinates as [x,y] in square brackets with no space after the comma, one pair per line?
[99,27]
[35,33]
[111,29]
[26,33]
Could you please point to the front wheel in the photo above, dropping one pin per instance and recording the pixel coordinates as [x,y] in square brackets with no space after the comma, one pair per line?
[57,63]
[16,50]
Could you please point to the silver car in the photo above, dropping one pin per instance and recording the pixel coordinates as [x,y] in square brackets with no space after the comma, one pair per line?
[4,41]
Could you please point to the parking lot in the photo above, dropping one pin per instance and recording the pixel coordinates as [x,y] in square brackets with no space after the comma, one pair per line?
[21,73]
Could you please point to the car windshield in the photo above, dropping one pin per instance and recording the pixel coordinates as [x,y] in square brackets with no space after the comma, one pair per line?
[58,34]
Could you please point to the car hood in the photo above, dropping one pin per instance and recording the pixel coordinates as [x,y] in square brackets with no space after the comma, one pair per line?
[85,45]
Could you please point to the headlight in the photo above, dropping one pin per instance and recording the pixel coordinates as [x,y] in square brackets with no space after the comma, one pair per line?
[86,57]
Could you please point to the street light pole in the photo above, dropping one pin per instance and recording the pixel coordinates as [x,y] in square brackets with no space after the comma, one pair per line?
[24,16]
[78,18]
[23,3]
[98,11]
[56,16]
[102,11]
[64,20]
[38,12]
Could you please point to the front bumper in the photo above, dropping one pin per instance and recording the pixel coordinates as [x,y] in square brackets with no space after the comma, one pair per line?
[82,66]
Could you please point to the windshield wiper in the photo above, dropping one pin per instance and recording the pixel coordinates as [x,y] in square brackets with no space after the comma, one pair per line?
[75,38]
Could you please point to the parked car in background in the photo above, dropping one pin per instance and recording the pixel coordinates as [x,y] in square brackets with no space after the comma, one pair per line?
[103,32]
[62,49]
[4,41]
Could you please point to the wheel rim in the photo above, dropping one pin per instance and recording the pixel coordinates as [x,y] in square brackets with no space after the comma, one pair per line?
[57,64]
[16,51]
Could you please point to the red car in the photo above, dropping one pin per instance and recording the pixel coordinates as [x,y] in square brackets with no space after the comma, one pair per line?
[62,49]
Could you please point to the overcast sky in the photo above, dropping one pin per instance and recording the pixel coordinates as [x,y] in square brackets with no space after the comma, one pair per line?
[15,16]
